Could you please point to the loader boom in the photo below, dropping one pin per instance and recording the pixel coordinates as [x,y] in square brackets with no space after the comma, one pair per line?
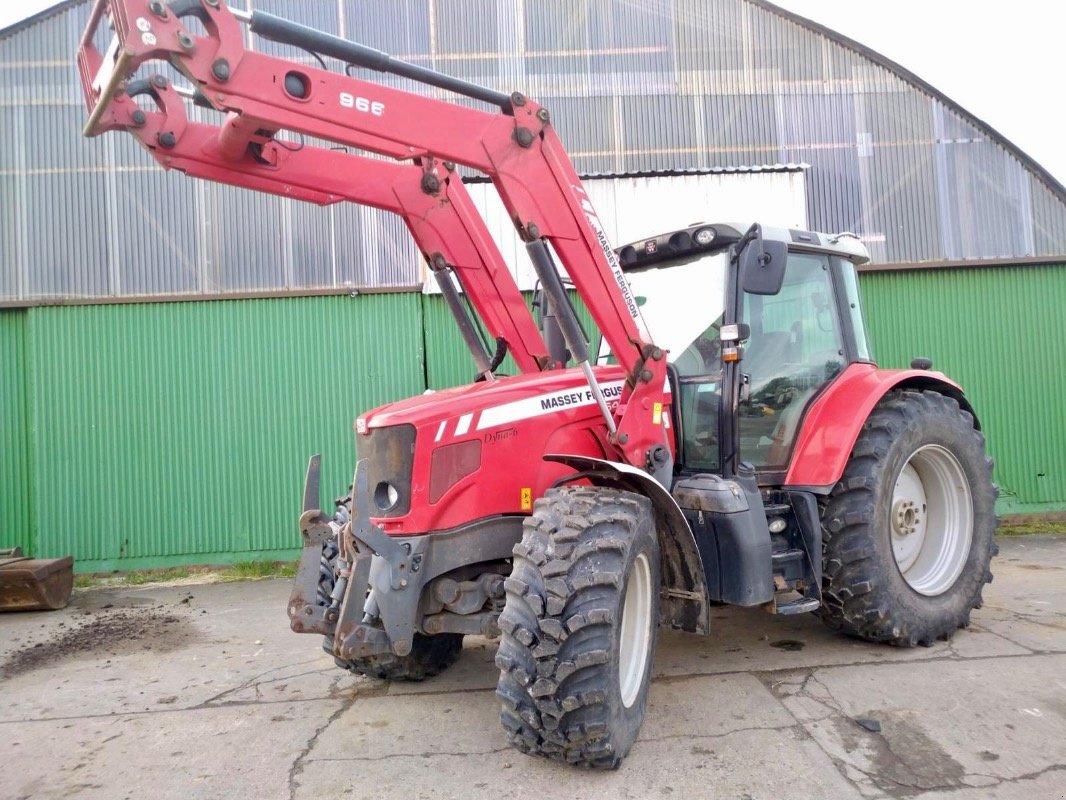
[431,200]
[515,145]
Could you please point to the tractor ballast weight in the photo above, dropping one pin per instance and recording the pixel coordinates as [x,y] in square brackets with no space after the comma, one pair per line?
[571,510]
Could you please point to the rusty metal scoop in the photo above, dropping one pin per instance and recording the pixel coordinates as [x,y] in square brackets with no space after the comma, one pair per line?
[31,584]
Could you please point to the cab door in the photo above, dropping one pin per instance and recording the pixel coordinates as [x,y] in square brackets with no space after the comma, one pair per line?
[796,346]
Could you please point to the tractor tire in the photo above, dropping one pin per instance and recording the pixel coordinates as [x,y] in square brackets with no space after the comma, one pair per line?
[908,532]
[429,654]
[579,626]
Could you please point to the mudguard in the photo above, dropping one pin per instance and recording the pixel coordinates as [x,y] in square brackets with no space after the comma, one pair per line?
[683,603]
[833,422]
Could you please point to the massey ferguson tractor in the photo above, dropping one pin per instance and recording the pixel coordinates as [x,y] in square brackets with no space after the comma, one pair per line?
[727,438]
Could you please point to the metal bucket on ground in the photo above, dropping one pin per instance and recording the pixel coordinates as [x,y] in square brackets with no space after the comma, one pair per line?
[32,584]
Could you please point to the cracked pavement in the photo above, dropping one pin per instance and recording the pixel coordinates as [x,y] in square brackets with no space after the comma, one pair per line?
[215,698]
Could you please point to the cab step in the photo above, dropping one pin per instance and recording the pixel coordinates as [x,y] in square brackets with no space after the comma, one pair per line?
[801,605]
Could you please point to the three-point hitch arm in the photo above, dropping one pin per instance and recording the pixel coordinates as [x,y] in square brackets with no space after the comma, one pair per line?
[515,145]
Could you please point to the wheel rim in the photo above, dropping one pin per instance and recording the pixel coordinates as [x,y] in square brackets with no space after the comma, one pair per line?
[931,519]
[636,631]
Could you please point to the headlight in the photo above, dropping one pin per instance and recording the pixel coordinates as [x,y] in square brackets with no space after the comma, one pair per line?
[386,496]
[704,236]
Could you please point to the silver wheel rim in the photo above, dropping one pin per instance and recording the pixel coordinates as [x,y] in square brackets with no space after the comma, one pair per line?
[931,519]
[636,631]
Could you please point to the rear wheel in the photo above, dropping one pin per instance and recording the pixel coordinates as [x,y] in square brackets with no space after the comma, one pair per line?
[579,626]
[908,532]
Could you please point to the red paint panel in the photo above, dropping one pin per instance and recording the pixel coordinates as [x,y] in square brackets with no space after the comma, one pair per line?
[834,421]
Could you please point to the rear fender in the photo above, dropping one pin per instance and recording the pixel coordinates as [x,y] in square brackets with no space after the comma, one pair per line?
[834,421]
[683,593]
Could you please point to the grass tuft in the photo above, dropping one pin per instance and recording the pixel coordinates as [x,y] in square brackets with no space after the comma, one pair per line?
[1027,528]
[243,571]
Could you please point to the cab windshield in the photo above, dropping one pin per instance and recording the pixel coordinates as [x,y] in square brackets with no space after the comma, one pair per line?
[795,348]
[681,302]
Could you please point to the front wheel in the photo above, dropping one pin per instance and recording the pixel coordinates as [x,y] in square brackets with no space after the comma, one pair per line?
[908,532]
[579,626]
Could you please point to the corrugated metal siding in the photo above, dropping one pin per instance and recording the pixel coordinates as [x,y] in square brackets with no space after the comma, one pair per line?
[140,435]
[678,84]
[448,362]
[16,468]
[167,430]
[631,208]
[1003,341]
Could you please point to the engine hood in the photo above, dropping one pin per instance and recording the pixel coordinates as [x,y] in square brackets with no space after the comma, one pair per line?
[482,406]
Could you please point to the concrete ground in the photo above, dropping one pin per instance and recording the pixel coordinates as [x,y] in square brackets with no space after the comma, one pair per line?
[202,692]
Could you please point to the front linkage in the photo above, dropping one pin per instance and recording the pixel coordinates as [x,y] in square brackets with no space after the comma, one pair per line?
[389,590]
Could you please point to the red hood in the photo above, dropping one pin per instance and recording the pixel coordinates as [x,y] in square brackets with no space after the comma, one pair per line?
[501,398]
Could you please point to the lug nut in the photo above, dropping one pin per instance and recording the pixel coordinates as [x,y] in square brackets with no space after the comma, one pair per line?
[159,82]
[185,40]
[167,139]
[138,118]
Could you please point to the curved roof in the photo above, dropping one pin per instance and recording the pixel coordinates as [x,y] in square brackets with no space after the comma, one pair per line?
[655,87]
[1049,180]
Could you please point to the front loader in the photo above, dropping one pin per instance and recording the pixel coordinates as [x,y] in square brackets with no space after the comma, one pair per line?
[728,438]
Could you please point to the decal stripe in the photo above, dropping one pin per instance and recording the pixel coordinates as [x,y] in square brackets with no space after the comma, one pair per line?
[541,404]
[463,425]
[440,430]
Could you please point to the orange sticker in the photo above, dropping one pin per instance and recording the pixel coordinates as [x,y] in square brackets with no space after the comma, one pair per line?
[657,414]
[527,499]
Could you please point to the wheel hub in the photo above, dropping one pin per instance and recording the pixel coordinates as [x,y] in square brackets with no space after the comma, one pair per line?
[931,520]
[905,517]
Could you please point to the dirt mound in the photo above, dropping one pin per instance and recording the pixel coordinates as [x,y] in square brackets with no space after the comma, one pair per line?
[108,632]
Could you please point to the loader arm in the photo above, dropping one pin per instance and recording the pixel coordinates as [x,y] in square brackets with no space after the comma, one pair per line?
[515,145]
[433,203]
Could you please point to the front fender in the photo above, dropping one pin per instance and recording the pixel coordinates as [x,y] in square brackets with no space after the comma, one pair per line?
[832,424]
[684,604]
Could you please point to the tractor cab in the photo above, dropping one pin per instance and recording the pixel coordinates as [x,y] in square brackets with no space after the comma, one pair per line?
[757,322]
[797,332]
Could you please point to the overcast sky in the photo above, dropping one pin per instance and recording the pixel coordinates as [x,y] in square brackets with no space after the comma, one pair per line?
[1002,61]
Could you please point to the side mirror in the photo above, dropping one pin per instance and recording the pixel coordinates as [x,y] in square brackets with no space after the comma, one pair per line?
[762,264]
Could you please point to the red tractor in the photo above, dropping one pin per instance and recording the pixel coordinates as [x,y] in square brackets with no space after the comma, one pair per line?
[731,441]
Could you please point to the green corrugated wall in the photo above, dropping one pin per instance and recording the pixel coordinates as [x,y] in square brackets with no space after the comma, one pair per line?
[1001,333]
[448,362]
[16,508]
[180,432]
[165,433]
